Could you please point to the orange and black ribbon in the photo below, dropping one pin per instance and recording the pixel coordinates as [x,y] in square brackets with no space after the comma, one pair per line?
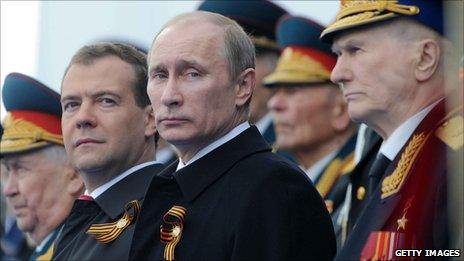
[171,230]
[107,232]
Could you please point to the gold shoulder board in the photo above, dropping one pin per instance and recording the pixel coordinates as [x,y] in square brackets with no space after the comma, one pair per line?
[451,132]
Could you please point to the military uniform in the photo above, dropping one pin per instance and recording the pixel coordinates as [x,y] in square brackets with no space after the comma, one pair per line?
[32,123]
[333,181]
[306,62]
[77,243]
[408,208]
[240,201]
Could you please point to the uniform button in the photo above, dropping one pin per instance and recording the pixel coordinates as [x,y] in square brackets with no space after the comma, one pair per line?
[360,193]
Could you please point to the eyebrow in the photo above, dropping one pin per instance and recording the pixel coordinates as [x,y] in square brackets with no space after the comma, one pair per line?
[94,95]
[349,42]
[180,66]
[185,64]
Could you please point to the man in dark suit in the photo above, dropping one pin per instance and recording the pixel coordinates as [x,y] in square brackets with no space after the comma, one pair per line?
[229,197]
[391,69]
[110,137]
[40,185]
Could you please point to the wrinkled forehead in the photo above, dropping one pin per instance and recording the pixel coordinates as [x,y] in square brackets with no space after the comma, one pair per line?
[370,32]
[23,157]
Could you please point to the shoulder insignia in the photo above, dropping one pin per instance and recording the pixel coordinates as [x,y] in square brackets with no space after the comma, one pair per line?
[329,177]
[451,132]
[392,183]
[48,254]
[348,164]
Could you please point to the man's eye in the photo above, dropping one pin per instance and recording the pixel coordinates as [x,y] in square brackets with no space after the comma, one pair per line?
[70,106]
[107,101]
[353,49]
[159,76]
[192,74]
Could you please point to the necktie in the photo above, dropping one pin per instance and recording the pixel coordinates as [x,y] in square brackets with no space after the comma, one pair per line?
[376,172]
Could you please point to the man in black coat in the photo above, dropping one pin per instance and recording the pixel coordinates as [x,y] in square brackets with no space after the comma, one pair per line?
[229,196]
[110,137]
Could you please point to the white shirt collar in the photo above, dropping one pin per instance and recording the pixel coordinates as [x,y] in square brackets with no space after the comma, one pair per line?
[393,144]
[360,142]
[264,123]
[98,191]
[232,134]
[316,169]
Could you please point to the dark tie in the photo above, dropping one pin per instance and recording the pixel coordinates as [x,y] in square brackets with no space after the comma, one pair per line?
[376,172]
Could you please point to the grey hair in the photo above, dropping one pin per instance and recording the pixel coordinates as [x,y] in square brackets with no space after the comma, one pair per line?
[55,153]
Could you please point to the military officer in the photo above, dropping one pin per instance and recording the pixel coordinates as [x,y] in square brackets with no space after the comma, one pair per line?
[40,185]
[310,114]
[110,137]
[391,69]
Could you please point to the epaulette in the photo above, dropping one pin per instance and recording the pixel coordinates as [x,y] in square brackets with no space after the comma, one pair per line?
[450,129]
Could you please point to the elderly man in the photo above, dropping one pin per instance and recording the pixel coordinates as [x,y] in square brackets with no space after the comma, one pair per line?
[229,197]
[110,137]
[40,185]
[310,115]
[391,69]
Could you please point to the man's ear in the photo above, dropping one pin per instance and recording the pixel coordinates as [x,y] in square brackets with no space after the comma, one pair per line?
[75,185]
[245,86]
[428,59]
[149,119]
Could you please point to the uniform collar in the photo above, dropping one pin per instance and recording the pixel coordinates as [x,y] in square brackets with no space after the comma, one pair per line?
[195,177]
[47,241]
[393,144]
[264,123]
[316,169]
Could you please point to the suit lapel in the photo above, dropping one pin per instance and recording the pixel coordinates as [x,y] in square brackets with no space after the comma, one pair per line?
[196,177]
[134,186]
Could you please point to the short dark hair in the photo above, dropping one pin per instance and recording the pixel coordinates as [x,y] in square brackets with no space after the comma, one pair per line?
[89,53]
[129,54]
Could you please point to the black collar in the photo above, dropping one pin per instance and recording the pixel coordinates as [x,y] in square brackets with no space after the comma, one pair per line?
[134,186]
[195,177]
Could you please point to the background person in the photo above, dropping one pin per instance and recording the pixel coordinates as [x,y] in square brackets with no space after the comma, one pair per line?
[40,185]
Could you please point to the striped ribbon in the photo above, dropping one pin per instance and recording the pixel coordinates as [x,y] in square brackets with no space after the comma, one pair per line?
[171,230]
[107,232]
